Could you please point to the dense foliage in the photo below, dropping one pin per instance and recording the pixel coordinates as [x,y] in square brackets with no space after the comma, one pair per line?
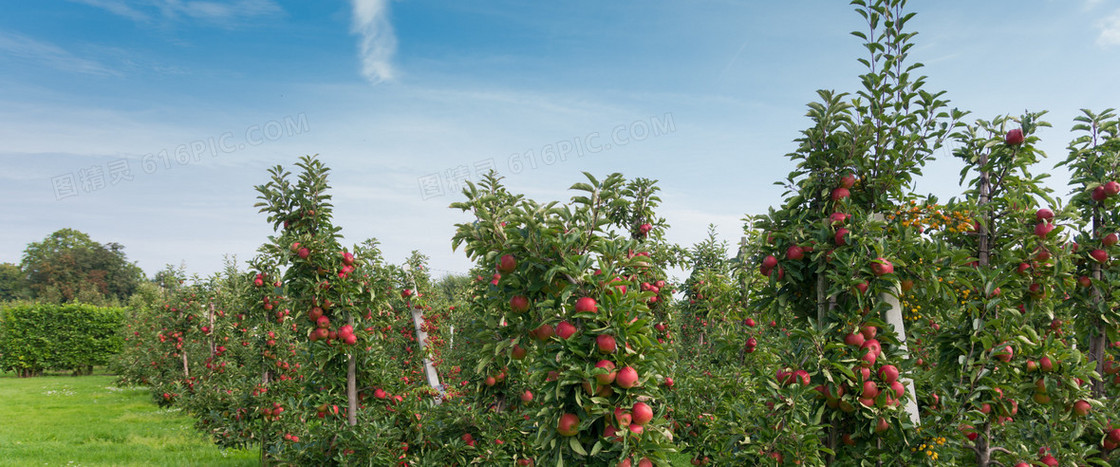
[71,337]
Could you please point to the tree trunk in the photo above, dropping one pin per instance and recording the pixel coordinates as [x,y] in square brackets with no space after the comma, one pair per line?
[352,386]
[1099,331]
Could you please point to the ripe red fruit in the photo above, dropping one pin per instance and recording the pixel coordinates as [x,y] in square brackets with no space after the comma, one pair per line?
[848,181]
[795,253]
[519,304]
[837,218]
[568,425]
[1099,255]
[749,322]
[839,238]
[668,382]
[543,332]
[1114,435]
[1046,364]
[303,253]
[1014,137]
[869,390]
[872,346]
[1042,229]
[644,229]
[897,388]
[565,330]
[609,376]
[1044,214]
[1004,355]
[882,425]
[606,343]
[888,373]
[627,377]
[1048,461]
[490,381]
[868,331]
[645,462]
[294,247]
[854,339]
[349,340]
[1099,194]
[507,264]
[1112,188]
[862,287]
[323,322]
[769,262]
[518,352]
[881,267]
[586,305]
[802,377]
[1081,408]
[641,413]
[1110,239]
[406,293]
[527,396]
[840,193]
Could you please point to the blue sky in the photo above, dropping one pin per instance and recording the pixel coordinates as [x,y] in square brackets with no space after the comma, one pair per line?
[148,122]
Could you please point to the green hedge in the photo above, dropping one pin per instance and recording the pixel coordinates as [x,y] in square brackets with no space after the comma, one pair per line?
[73,337]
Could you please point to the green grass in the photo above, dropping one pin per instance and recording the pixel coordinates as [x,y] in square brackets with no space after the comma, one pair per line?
[65,420]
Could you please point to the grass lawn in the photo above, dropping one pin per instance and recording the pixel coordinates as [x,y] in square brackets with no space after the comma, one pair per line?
[87,420]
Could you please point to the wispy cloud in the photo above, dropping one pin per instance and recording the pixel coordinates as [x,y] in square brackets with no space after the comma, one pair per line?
[221,13]
[48,54]
[377,42]
[1110,30]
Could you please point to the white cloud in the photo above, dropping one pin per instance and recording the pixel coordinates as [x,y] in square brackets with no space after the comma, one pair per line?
[51,55]
[118,7]
[222,13]
[377,43]
[1110,30]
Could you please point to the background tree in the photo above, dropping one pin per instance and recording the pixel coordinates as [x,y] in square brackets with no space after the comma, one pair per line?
[12,283]
[68,266]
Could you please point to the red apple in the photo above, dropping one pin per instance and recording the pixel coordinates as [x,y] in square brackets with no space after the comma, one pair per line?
[644,229]
[543,332]
[1081,408]
[870,390]
[1046,364]
[1014,137]
[507,264]
[872,346]
[840,193]
[527,396]
[609,376]
[1099,194]
[1110,239]
[840,237]
[518,352]
[627,377]
[854,339]
[565,330]
[1004,355]
[837,218]
[888,373]
[848,181]
[303,253]
[641,413]
[1044,214]
[586,305]
[606,343]
[568,425]
[1042,229]
[519,304]
[882,425]
[881,267]
[1099,256]
[795,253]
[1112,188]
